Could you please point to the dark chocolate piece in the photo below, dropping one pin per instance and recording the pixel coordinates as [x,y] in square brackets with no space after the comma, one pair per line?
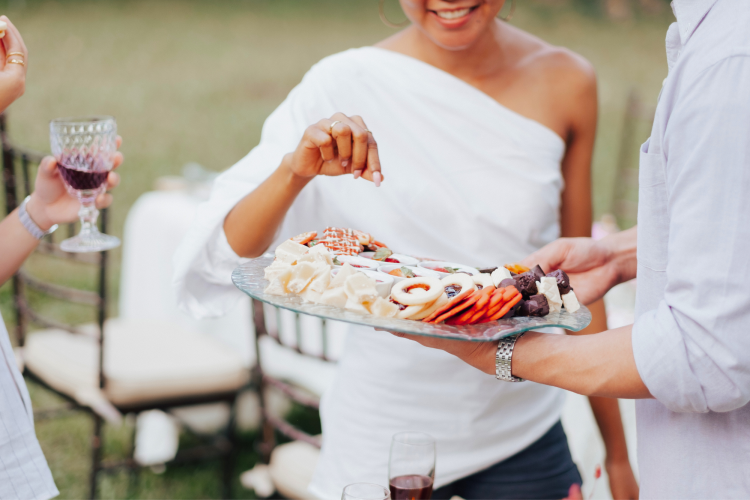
[536,305]
[563,282]
[526,284]
[508,282]
[488,270]
[537,271]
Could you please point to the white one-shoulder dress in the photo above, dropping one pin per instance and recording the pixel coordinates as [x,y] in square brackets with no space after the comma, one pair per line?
[466,180]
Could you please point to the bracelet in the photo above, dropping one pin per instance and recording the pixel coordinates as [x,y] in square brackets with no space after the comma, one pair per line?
[504,358]
[29,223]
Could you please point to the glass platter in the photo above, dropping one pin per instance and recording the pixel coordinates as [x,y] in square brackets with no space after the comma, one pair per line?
[249,278]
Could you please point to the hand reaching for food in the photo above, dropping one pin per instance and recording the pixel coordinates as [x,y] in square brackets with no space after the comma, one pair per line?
[336,146]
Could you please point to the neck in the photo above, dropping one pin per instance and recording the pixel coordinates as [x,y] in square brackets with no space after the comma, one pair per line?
[486,55]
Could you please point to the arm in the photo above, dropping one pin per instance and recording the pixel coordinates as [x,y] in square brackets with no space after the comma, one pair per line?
[575,218]
[347,147]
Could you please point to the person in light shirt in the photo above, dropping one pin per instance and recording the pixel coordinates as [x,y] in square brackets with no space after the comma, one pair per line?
[687,356]
[24,473]
[479,136]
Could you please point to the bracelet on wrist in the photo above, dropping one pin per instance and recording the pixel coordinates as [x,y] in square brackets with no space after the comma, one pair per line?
[29,223]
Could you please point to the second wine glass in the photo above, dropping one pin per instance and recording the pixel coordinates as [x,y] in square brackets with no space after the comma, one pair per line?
[411,467]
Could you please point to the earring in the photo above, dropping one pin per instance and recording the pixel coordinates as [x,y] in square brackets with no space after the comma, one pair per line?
[381,11]
[510,14]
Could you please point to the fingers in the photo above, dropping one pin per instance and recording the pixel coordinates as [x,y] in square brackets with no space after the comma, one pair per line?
[549,257]
[373,160]
[103,200]
[47,167]
[360,137]
[118,141]
[113,180]
[117,160]
[325,144]
[342,134]
[13,43]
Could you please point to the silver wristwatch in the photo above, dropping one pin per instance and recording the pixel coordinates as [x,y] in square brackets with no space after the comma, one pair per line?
[504,358]
[29,223]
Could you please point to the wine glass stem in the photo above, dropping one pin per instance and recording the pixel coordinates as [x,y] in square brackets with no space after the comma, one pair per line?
[88,215]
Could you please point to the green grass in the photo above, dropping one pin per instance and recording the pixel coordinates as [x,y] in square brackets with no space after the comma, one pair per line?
[193,81]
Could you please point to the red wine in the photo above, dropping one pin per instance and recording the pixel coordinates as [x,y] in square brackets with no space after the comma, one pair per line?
[79,179]
[411,487]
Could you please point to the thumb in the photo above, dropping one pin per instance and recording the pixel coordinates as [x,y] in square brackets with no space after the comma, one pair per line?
[548,257]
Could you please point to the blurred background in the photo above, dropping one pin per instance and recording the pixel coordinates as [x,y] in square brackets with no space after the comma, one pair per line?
[191,82]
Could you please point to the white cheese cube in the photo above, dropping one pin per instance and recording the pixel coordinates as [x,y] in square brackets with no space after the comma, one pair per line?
[344,272]
[570,301]
[290,251]
[318,253]
[334,297]
[361,288]
[384,308]
[484,280]
[499,275]
[277,286]
[547,286]
[302,274]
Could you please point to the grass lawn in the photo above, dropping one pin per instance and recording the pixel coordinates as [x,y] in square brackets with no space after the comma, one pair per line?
[193,81]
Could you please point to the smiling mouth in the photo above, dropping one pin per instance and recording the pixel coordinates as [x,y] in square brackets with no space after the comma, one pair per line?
[454,14]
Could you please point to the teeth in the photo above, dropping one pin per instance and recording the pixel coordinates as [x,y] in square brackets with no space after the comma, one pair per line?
[453,14]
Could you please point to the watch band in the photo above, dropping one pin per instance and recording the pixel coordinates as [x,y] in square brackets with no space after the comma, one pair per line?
[504,358]
[29,223]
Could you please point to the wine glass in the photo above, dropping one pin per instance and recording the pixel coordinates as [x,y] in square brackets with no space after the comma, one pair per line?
[411,467]
[365,491]
[84,149]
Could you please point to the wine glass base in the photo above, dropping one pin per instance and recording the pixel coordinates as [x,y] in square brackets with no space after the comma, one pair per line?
[92,242]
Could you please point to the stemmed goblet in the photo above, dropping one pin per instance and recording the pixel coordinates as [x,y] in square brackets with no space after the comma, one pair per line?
[411,467]
[84,149]
[365,491]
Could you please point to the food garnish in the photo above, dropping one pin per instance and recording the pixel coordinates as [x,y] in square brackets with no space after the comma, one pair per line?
[382,254]
[305,238]
[516,268]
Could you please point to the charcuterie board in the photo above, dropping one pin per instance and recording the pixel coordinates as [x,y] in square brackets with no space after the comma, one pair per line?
[249,277]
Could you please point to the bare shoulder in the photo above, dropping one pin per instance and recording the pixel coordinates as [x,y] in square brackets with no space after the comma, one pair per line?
[565,69]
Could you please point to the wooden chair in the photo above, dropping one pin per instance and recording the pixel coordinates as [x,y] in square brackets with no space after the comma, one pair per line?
[291,460]
[138,371]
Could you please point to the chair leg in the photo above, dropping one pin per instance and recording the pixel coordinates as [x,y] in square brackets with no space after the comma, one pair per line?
[134,472]
[96,455]
[228,465]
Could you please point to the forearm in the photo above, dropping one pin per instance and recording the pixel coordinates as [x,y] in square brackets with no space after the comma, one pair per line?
[252,223]
[592,365]
[16,244]
[608,419]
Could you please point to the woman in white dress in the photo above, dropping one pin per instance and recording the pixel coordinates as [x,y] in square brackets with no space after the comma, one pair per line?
[481,136]
[24,473]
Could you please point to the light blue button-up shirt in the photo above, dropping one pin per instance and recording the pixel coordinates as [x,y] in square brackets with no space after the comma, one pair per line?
[691,338]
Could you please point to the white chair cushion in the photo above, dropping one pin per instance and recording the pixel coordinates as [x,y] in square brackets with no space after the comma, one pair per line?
[144,361]
[291,468]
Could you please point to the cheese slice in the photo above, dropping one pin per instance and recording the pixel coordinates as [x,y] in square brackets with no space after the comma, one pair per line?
[499,275]
[383,308]
[355,305]
[361,288]
[318,253]
[310,295]
[344,272]
[276,269]
[302,274]
[547,286]
[322,278]
[334,297]
[277,286]
[570,301]
[290,251]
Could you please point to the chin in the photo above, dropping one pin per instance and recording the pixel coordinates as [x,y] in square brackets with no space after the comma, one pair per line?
[453,24]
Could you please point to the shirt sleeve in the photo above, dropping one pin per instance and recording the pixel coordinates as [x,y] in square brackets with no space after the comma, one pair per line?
[204,260]
[693,350]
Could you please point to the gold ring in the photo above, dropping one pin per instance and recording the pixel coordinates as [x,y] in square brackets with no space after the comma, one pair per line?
[17,61]
[368,130]
[334,124]
[10,54]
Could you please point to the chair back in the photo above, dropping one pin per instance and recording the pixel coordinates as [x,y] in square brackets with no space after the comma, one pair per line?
[18,166]
[273,330]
